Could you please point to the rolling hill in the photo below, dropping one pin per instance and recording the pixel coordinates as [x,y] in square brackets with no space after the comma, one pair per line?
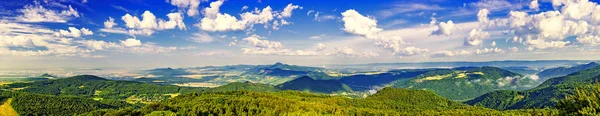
[466,83]
[388,101]
[545,95]
[306,83]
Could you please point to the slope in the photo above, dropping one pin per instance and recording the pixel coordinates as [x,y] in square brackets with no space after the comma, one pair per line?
[466,83]
[306,83]
[388,101]
[545,95]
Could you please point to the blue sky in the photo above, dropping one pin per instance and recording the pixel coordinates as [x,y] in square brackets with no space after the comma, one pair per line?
[189,33]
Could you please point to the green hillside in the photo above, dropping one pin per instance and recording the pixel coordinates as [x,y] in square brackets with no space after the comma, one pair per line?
[306,83]
[235,86]
[547,94]
[27,104]
[466,83]
[96,87]
[388,101]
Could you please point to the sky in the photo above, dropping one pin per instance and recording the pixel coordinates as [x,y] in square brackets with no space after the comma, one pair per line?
[189,33]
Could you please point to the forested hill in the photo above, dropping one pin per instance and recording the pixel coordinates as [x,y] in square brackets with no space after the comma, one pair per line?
[306,83]
[466,83]
[545,95]
[563,71]
[389,101]
[93,86]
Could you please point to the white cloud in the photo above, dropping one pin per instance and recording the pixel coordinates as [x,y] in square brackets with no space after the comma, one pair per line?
[482,16]
[442,54]
[74,32]
[150,23]
[444,28]
[256,41]
[216,21]
[356,23]
[131,42]
[476,37]
[175,20]
[190,5]
[41,41]
[589,40]
[110,23]
[410,51]
[320,47]
[287,11]
[439,54]
[38,13]
[578,9]
[489,51]
[114,30]
[534,4]
[86,31]
[493,43]
[201,38]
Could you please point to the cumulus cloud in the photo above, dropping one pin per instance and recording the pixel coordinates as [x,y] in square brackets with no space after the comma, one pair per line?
[548,29]
[110,23]
[131,42]
[216,21]
[356,23]
[37,13]
[589,40]
[578,8]
[444,28]
[190,5]
[287,11]
[493,43]
[482,16]
[476,37]
[150,23]
[534,5]
[74,32]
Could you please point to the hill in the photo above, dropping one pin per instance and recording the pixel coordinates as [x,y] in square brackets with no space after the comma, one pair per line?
[466,83]
[27,104]
[363,82]
[545,95]
[236,86]
[96,87]
[306,83]
[563,71]
[284,70]
[389,101]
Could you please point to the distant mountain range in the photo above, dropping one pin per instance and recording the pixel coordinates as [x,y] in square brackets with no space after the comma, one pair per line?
[563,71]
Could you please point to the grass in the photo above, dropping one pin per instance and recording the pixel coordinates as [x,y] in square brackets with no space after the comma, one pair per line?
[6,109]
